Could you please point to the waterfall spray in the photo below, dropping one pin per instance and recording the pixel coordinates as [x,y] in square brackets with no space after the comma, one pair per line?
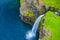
[32,33]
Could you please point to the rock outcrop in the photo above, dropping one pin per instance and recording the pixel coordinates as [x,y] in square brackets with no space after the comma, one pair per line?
[29,12]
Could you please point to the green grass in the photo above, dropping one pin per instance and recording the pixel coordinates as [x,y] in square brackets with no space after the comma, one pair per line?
[53,21]
[29,13]
[21,1]
[53,24]
[53,3]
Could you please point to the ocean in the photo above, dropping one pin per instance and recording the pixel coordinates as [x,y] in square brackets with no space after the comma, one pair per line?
[11,26]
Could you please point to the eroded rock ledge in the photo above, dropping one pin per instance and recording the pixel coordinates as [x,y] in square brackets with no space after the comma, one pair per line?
[30,10]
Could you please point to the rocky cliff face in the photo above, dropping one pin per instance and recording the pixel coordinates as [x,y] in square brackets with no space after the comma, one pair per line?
[29,12]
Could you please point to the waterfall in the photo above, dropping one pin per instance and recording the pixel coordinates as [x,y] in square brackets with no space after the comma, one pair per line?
[32,33]
[36,24]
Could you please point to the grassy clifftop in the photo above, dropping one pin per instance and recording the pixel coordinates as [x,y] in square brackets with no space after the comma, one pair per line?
[52,23]
[52,20]
[53,3]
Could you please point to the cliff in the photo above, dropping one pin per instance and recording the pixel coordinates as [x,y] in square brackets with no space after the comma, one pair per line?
[30,10]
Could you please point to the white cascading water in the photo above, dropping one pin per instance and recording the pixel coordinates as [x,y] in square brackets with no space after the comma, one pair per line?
[32,33]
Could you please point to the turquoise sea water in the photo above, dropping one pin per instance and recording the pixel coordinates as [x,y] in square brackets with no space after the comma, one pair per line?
[11,26]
